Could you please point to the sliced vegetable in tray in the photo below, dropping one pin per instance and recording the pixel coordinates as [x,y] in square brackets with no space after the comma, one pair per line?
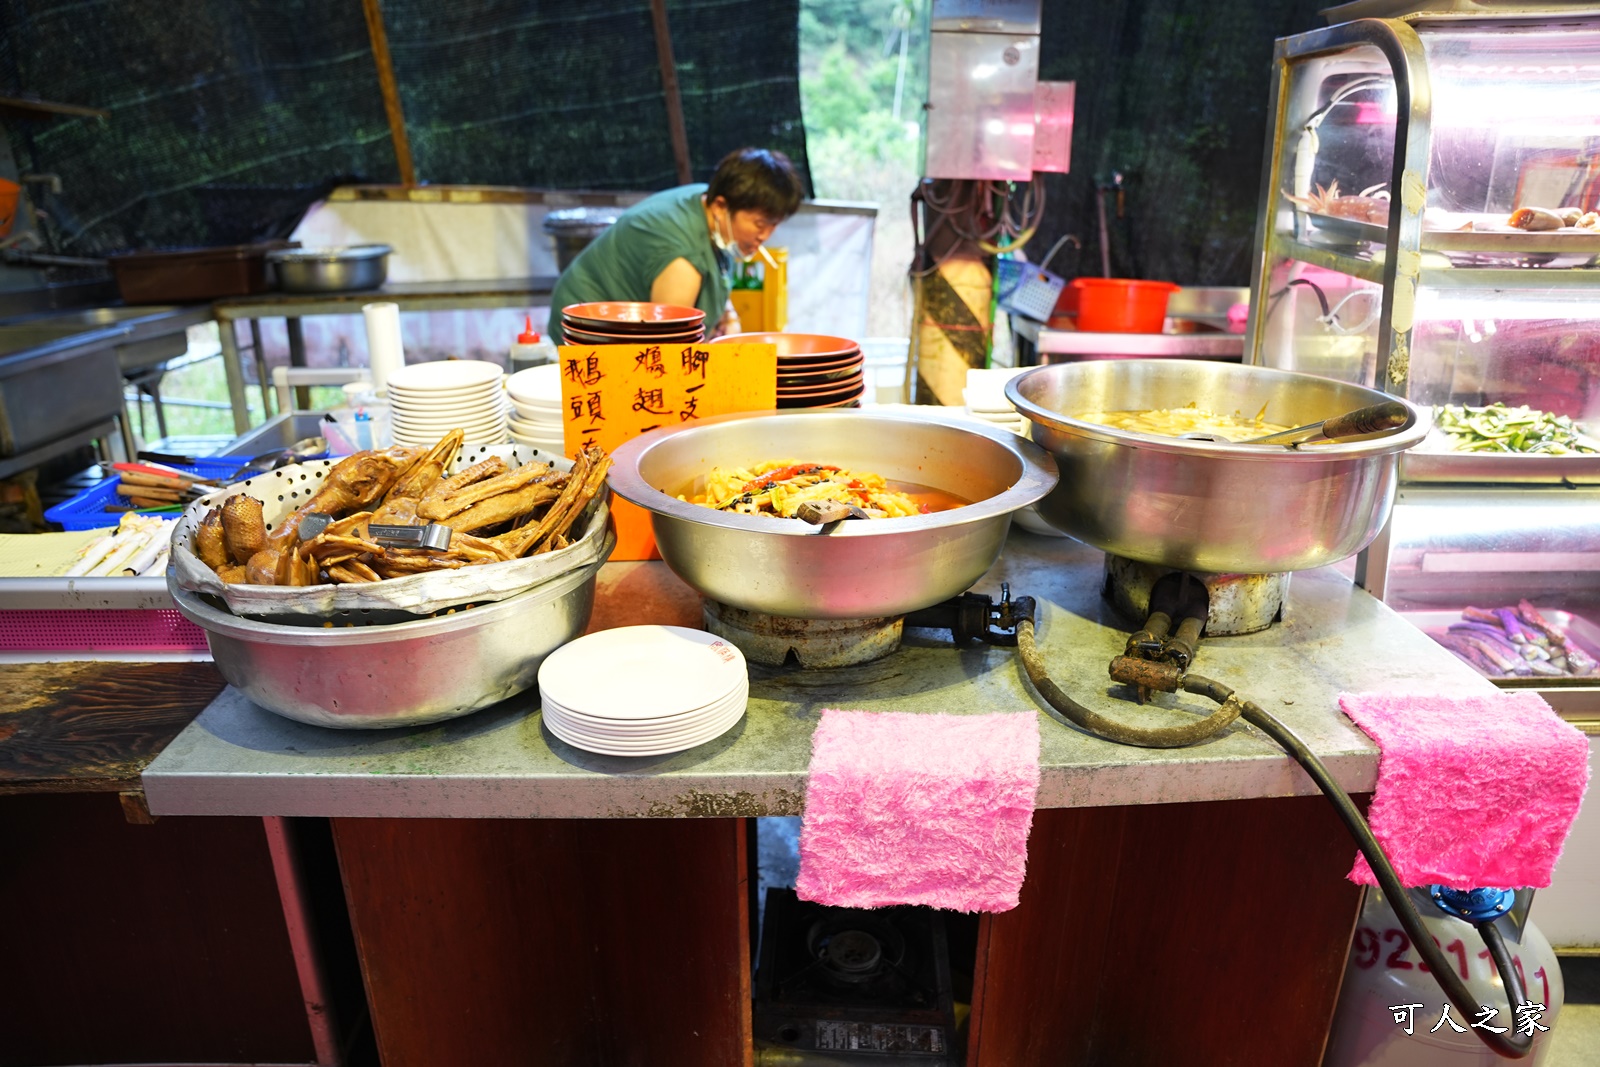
[1516,641]
[1514,430]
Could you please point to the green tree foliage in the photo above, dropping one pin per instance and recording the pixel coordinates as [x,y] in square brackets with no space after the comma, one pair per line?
[852,59]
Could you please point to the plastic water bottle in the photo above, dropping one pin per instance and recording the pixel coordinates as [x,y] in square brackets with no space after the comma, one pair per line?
[532,349]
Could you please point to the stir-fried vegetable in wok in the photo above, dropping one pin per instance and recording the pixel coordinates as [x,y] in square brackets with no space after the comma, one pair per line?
[780,488]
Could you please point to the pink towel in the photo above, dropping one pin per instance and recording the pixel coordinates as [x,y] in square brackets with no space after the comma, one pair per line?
[919,809]
[1472,790]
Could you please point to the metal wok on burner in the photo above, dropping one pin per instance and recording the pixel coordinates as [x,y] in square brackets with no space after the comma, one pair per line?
[851,570]
[1211,506]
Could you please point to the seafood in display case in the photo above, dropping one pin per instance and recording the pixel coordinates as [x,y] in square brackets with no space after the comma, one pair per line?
[1462,276]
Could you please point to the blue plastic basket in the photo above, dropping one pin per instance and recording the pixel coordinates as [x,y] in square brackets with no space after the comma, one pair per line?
[1024,289]
[87,510]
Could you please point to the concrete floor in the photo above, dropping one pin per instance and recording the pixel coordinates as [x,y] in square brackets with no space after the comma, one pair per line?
[1575,1039]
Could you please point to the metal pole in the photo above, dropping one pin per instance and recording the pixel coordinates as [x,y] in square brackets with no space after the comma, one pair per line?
[669,87]
[390,90]
[302,942]
[235,374]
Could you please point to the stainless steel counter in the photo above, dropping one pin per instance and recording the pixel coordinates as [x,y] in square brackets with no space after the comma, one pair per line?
[237,759]
[411,296]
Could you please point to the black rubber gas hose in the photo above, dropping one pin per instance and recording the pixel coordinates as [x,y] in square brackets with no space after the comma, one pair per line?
[1188,733]
[1511,1045]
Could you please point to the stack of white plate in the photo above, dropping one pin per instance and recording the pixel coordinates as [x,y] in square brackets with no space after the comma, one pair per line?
[643,690]
[535,396]
[428,400]
[985,397]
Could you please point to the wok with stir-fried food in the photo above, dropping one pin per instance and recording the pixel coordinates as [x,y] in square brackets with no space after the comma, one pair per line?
[495,512]
[779,488]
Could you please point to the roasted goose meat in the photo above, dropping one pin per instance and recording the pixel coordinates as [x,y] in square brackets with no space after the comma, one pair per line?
[497,512]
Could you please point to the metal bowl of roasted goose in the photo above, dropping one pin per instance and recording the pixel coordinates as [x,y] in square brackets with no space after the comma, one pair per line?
[394,586]
[1159,462]
[903,512]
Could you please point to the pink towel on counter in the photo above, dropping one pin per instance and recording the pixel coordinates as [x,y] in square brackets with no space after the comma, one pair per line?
[919,809]
[1472,790]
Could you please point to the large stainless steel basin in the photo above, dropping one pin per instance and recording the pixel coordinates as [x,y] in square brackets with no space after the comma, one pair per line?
[1213,507]
[853,570]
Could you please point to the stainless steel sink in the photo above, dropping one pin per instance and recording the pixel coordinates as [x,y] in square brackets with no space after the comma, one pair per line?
[20,338]
[62,371]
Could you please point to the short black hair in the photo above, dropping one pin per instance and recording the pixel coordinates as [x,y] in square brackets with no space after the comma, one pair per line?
[757,179]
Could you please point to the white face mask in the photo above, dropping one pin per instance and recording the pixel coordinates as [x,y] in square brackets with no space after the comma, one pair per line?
[724,241]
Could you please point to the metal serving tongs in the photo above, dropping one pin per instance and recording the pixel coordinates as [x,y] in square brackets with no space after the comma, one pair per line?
[827,514]
[1387,417]
[435,536]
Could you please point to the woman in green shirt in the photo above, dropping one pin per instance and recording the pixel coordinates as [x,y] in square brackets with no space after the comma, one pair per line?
[677,246]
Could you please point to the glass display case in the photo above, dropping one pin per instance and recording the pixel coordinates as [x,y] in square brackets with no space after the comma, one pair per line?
[1430,226]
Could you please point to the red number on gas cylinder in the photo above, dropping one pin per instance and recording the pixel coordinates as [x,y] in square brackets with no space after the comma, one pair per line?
[1461,955]
[1516,961]
[1397,958]
[1544,980]
[1366,947]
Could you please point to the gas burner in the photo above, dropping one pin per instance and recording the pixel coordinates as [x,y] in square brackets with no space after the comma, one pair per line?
[818,644]
[856,950]
[855,986]
[815,644]
[1239,603]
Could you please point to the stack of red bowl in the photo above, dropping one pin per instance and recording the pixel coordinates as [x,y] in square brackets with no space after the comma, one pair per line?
[631,323]
[814,370]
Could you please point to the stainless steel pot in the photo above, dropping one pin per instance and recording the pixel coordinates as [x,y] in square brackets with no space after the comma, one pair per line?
[331,270]
[399,675]
[851,570]
[1214,507]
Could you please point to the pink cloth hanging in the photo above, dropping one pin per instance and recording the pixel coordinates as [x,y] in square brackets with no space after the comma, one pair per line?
[1472,790]
[905,808]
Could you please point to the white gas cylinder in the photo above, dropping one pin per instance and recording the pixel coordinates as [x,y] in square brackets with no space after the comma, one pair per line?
[1391,1011]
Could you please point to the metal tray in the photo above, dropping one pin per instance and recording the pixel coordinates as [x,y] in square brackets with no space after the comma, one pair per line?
[1579,629]
[1486,245]
[1491,467]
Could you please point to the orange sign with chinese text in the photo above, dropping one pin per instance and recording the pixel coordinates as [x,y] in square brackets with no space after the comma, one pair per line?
[613,393]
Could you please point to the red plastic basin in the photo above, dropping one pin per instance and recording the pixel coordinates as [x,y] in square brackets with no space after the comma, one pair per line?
[1122,305]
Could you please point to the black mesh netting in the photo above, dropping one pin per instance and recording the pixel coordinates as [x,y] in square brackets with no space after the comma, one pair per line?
[1174,97]
[229,117]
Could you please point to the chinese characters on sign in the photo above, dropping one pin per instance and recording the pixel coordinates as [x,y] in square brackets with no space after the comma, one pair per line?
[615,392]
[612,393]
[1528,1015]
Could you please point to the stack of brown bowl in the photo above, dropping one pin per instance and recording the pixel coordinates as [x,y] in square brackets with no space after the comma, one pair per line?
[632,323]
[814,370]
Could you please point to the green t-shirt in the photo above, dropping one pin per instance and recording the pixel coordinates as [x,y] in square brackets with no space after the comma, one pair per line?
[623,262]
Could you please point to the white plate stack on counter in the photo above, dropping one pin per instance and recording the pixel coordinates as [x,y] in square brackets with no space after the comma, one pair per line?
[643,690]
[985,397]
[428,400]
[535,396]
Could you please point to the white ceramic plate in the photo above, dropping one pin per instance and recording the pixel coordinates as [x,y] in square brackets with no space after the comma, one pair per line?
[554,442]
[536,413]
[608,747]
[642,728]
[469,434]
[667,740]
[446,423]
[470,437]
[432,401]
[437,400]
[446,374]
[536,385]
[642,672]
[535,429]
